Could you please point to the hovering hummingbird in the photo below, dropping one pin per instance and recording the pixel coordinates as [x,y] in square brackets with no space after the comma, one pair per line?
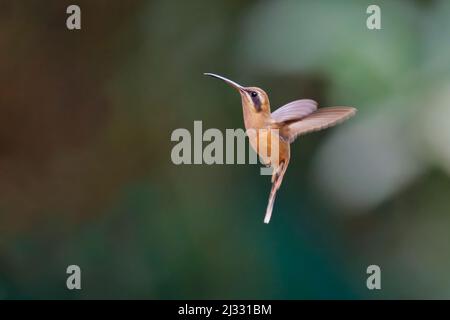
[284,125]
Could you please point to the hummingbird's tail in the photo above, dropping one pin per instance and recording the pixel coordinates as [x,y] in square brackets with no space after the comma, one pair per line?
[277,178]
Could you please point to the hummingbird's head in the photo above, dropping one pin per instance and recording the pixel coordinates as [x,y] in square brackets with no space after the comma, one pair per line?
[253,99]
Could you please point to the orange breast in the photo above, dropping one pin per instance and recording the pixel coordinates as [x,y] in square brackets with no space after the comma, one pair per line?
[268,145]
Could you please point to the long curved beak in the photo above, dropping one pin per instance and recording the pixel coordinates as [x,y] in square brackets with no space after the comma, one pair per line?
[230,82]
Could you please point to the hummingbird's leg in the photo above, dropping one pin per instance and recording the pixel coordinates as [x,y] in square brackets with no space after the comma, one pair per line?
[276,172]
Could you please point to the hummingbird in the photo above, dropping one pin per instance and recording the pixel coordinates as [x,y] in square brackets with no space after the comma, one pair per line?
[284,125]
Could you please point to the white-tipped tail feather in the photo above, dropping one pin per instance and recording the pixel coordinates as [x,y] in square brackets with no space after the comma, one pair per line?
[277,178]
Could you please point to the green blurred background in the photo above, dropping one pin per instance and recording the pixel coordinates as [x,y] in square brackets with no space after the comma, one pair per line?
[86,176]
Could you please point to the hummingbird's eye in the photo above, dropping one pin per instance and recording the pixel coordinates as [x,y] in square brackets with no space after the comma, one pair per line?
[254,94]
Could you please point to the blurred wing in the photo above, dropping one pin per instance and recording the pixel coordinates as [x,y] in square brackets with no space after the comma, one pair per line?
[321,119]
[294,110]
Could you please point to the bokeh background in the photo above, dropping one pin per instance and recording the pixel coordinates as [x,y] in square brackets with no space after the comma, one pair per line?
[86,176]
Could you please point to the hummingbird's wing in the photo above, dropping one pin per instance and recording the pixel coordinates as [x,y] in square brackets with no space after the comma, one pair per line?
[321,119]
[294,110]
